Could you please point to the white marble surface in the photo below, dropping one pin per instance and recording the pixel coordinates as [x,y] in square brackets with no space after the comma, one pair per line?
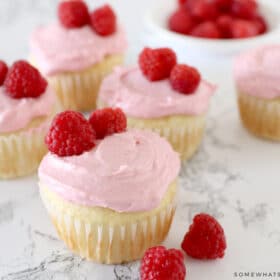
[234,176]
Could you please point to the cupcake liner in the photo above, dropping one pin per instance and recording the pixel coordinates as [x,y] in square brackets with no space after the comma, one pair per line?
[78,90]
[106,236]
[260,116]
[21,152]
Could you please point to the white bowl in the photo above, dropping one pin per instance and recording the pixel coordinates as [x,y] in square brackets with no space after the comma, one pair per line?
[198,49]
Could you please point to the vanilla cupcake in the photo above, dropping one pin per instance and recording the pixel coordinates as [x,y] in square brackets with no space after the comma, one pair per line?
[110,199]
[161,96]
[26,107]
[78,51]
[258,87]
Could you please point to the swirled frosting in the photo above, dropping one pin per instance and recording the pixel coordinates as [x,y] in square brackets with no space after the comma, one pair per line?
[56,49]
[257,72]
[126,172]
[129,89]
[16,114]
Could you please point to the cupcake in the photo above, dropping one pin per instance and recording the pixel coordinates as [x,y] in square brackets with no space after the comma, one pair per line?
[78,51]
[110,192]
[258,87]
[26,109]
[162,96]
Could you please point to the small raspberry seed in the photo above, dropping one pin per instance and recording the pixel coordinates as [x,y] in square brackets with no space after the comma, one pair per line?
[70,134]
[73,14]
[156,64]
[159,263]
[108,121]
[207,29]
[104,21]
[205,238]
[3,71]
[23,80]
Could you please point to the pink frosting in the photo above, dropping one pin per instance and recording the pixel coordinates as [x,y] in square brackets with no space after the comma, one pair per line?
[129,89]
[126,172]
[16,114]
[257,72]
[56,49]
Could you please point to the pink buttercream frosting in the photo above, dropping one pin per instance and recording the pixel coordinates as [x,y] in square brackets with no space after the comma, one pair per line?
[56,49]
[257,72]
[130,90]
[126,172]
[16,114]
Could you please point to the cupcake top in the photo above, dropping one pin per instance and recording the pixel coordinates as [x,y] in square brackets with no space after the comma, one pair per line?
[25,96]
[75,43]
[128,171]
[257,72]
[157,87]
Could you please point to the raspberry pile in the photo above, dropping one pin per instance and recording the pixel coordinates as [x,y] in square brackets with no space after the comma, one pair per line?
[160,64]
[218,19]
[75,14]
[72,134]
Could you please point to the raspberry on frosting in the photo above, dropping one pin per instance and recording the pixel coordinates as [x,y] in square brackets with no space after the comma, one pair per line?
[73,13]
[104,20]
[108,121]
[205,238]
[159,263]
[70,134]
[3,71]
[156,64]
[23,80]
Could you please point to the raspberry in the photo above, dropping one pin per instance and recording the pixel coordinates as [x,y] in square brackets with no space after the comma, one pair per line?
[70,134]
[203,9]
[224,5]
[182,2]
[244,29]
[23,80]
[156,64]
[206,29]
[104,21]
[224,23]
[261,24]
[3,71]
[159,263]
[245,9]
[108,121]
[205,238]
[181,21]
[73,13]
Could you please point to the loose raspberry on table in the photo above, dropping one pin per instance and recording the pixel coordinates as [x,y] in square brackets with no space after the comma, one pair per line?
[184,79]
[108,121]
[23,80]
[104,21]
[207,29]
[70,134]
[244,29]
[73,14]
[156,64]
[205,238]
[159,263]
[245,9]
[3,71]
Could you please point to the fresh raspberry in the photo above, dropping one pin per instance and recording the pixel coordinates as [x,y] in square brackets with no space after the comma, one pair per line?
[23,80]
[261,24]
[156,64]
[224,23]
[206,29]
[224,5]
[73,14]
[3,71]
[181,21]
[245,9]
[182,2]
[205,238]
[104,20]
[108,121]
[203,9]
[70,134]
[184,79]
[159,263]
[244,29]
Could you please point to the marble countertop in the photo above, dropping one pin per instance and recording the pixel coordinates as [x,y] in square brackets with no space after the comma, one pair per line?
[234,177]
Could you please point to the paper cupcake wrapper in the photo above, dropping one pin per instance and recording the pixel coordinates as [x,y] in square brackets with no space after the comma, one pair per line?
[260,116]
[22,152]
[78,90]
[108,243]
